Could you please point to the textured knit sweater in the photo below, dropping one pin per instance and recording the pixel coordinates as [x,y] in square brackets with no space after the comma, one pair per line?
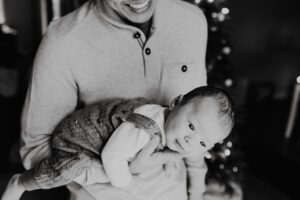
[81,137]
[127,140]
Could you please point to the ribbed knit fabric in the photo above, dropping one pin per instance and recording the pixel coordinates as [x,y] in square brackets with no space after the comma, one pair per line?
[81,137]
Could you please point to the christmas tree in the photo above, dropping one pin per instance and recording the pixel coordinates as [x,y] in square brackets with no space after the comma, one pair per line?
[224,160]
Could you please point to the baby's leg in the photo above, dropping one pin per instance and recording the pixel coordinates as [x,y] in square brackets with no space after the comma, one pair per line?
[62,168]
[58,170]
[14,189]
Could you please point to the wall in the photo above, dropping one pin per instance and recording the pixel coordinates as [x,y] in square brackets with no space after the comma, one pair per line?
[23,15]
[266,42]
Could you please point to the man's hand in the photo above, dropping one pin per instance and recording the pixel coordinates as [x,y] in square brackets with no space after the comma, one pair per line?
[146,159]
[216,191]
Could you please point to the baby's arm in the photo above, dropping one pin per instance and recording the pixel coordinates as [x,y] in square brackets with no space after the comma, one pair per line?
[124,143]
[196,171]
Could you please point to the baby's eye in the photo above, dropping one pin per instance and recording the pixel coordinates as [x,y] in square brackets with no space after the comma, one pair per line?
[202,144]
[191,126]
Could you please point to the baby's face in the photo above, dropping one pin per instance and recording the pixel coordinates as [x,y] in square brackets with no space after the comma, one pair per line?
[194,128]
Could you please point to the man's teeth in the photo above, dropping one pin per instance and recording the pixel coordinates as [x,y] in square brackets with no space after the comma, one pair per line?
[139,6]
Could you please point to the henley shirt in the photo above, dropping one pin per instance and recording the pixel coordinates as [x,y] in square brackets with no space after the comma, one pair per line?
[85,57]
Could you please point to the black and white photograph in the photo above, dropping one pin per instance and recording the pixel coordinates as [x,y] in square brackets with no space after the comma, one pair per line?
[149,99]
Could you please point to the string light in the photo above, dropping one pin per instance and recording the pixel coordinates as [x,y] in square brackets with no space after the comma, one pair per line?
[221,17]
[227,152]
[210,1]
[209,67]
[235,169]
[197,1]
[213,28]
[226,50]
[221,166]
[208,155]
[229,144]
[228,82]
[214,15]
[225,11]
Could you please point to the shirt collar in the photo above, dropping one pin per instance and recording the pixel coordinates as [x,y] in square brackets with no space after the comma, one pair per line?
[162,128]
[156,21]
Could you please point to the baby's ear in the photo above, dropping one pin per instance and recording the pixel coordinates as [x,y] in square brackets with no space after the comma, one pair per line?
[176,101]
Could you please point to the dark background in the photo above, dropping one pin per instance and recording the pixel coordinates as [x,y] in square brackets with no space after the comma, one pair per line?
[265,40]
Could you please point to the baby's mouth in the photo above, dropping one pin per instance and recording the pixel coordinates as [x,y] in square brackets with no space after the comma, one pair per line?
[180,147]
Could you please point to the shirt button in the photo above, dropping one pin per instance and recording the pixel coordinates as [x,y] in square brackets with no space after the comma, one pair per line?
[184,68]
[148,51]
[137,35]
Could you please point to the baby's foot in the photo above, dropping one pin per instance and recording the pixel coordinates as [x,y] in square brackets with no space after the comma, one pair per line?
[14,189]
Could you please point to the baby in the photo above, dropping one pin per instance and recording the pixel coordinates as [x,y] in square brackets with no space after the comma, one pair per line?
[191,126]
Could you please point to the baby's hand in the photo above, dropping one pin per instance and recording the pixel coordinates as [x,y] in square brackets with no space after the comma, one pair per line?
[148,158]
[171,168]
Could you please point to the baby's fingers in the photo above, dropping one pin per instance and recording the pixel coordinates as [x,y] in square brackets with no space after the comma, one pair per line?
[150,146]
[165,156]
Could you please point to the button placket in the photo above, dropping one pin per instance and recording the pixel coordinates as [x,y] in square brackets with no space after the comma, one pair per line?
[137,35]
[146,50]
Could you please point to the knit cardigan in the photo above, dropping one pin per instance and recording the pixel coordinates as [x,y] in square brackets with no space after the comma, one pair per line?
[81,136]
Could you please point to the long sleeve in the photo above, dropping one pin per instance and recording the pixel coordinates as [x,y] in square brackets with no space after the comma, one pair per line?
[196,171]
[125,142]
[52,94]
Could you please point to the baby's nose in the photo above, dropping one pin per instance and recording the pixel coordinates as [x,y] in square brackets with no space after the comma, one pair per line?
[187,139]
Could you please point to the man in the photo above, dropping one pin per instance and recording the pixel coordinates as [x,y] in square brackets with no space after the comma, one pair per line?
[117,48]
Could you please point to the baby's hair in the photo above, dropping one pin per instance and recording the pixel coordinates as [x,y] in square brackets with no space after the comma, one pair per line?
[223,100]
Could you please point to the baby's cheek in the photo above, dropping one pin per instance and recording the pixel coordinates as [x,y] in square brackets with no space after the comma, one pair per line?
[170,144]
[198,151]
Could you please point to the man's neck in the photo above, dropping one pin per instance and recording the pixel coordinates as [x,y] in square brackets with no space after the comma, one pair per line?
[144,27]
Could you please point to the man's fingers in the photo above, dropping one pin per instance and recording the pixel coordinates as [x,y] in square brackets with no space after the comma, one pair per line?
[216,196]
[150,146]
[165,156]
[170,168]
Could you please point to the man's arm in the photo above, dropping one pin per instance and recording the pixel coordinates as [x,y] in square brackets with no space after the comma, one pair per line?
[52,94]
[196,171]
[144,161]
[147,158]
